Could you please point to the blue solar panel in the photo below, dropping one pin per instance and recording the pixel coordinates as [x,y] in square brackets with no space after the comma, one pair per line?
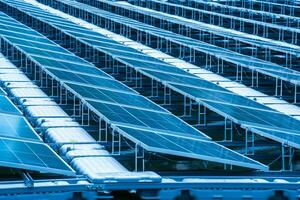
[91,80]
[16,127]
[182,79]
[150,65]
[25,42]
[12,122]
[64,56]
[6,106]
[288,138]
[139,117]
[251,117]
[113,96]
[21,147]
[21,35]
[31,156]
[219,96]
[186,146]
[67,65]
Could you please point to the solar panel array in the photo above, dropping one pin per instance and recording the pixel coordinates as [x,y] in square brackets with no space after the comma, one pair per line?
[239,109]
[113,101]
[241,24]
[230,56]
[258,15]
[160,99]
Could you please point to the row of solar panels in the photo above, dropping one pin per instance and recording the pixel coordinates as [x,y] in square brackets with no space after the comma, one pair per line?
[281,135]
[245,13]
[249,26]
[250,114]
[268,6]
[231,57]
[221,60]
[192,24]
[261,41]
[135,119]
[25,49]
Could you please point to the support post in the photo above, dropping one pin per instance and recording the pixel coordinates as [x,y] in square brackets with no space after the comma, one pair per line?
[139,156]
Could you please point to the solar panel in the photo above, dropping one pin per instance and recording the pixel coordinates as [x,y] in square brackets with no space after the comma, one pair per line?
[219,96]
[251,117]
[13,124]
[16,127]
[67,65]
[7,106]
[31,155]
[154,66]
[91,80]
[139,117]
[113,96]
[37,51]
[24,36]
[13,29]
[181,79]
[26,42]
[21,147]
[185,146]
[288,138]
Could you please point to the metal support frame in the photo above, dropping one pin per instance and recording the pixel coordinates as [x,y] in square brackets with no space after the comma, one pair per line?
[138,80]
[247,145]
[287,154]
[102,129]
[116,143]
[76,106]
[239,73]
[28,180]
[139,156]
[278,87]
[167,96]
[187,106]
[63,96]
[85,115]
[228,129]
[154,88]
[296,93]
[254,78]
[201,121]
[227,167]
